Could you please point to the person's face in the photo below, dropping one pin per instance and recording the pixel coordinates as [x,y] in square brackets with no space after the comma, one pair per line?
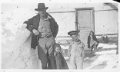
[42,12]
[91,33]
[74,37]
[57,49]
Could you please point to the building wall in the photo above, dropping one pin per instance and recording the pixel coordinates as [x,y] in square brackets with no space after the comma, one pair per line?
[106,18]
[66,22]
[106,22]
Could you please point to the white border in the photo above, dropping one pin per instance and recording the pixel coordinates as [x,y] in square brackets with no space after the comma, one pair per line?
[58,1]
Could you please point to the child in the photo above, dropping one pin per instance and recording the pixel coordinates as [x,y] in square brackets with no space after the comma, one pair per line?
[76,51]
[60,61]
[92,41]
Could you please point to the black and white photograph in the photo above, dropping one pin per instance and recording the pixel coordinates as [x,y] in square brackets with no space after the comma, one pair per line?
[59,36]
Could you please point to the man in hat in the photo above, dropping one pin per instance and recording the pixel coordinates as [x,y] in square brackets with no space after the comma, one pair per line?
[76,51]
[43,30]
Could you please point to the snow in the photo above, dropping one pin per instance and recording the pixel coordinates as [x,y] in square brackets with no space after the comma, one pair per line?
[107,45]
[16,51]
[108,59]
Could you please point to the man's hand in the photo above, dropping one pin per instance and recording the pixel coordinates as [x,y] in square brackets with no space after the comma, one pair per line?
[24,25]
[35,31]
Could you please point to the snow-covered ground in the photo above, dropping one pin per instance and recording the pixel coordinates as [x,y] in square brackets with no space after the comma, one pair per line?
[104,58]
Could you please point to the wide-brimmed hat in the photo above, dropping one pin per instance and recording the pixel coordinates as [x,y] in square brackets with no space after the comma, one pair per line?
[41,6]
[73,33]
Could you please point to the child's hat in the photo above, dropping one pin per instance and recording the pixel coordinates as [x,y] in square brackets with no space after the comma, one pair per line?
[73,33]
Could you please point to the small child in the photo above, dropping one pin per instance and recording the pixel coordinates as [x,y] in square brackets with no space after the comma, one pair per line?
[60,61]
[92,42]
[76,51]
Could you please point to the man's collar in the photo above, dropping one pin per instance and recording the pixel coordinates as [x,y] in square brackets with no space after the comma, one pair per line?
[48,17]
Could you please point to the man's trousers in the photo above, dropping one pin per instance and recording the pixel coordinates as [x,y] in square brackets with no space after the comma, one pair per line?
[46,52]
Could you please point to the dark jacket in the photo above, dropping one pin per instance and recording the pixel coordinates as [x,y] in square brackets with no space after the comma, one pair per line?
[89,38]
[33,23]
[60,61]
